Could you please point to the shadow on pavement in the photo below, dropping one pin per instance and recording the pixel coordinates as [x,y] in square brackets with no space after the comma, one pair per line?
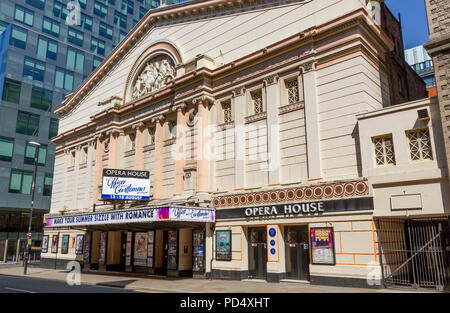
[116,284]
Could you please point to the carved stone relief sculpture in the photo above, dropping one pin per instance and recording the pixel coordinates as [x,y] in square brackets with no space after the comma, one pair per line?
[156,74]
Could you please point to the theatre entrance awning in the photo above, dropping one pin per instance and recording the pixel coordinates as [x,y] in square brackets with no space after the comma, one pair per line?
[136,219]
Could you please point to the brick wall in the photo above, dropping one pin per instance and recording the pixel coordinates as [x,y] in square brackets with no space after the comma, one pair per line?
[438,47]
[404,83]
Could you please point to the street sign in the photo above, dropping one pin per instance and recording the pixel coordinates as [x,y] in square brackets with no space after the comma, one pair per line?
[29,235]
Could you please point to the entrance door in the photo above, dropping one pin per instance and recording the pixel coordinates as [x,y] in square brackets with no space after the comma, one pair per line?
[123,250]
[297,252]
[257,253]
[165,252]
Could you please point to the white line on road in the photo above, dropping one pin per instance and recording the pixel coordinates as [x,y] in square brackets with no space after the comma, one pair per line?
[20,290]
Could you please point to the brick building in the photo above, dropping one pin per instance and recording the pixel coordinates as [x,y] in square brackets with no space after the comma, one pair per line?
[438,47]
[405,84]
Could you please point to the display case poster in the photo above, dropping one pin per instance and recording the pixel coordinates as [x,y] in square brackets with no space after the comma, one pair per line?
[55,244]
[140,249]
[223,245]
[128,249]
[44,243]
[150,244]
[199,253]
[87,248]
[322,245]
[172,250]
[79,244]
[102,248]
[65,244]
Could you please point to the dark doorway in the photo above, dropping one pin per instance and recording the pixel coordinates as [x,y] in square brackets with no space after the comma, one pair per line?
[297,252]
[165,253]
[257,253]
[123,250]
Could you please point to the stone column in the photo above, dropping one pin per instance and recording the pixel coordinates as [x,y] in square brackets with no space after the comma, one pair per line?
[239,142]
[113,149]
[311,120]
[98,166]
[203,158]
[139,144]
[158,165]
[273,131]
[179,152]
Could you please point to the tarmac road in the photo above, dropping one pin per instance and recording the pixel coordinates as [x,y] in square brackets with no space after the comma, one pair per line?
[10,284]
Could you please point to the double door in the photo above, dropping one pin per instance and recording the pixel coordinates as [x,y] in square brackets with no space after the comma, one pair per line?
[297,252]
[257,253]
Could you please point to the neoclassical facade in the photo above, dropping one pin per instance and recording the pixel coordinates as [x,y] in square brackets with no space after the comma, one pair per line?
[252,113]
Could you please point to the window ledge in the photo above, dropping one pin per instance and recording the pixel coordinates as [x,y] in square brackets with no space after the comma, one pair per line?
[169,142]
[291,107]
[70,168]
[129,153]
[83,165]
[149,147]
[255,117]
[226,125]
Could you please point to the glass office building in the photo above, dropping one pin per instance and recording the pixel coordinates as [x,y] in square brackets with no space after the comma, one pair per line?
[42,59]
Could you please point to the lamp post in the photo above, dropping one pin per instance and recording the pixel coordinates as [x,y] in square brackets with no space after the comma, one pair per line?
[33,187]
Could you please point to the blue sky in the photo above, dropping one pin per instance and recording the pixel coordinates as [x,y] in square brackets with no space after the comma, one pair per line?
[414,20]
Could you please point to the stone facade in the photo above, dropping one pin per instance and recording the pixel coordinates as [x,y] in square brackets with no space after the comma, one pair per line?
[438,47]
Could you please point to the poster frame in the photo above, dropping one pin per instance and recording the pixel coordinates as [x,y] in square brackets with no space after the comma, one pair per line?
[65,244]
[331,229]
[44,248]
[229,257]
[78,252]
[55,246]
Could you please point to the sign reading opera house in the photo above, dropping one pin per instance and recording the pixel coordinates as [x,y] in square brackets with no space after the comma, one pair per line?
[242,116]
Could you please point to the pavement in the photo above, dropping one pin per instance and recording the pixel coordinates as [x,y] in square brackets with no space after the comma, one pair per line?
[152,284]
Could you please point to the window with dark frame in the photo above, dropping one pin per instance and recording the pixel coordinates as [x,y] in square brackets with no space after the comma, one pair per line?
[20,182]
[27,123]
[6,149]
[48,183]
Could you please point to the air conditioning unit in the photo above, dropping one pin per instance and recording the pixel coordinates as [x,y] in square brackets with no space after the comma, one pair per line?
[423,115]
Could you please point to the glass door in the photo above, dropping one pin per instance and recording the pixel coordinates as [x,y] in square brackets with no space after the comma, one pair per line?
[297,252]
[257,253]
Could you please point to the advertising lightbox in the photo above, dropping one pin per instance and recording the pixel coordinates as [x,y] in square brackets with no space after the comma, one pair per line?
[126,184]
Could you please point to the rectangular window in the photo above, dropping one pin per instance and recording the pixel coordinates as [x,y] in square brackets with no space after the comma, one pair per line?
[257,103]
[122,35]
[63,79]
[100,10]
[33,69]
[41,99]
[60,10]
[86,22]
[48,183]
[6,149]
[53,130]
[127,7]
[96,63]
[18,37]
[226,109]
[384,150]
[40,4]
[292,91]
[419,144]
[120,19]
[82,3]
[47,48]
[75,60]
[23,15]
[50,26]
[97,46]
[76,37]
[142,12]
[105,30]
[11,91]
[27,124]
[30,152]
[20,182]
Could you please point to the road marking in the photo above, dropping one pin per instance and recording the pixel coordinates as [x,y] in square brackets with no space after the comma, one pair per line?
[20,290]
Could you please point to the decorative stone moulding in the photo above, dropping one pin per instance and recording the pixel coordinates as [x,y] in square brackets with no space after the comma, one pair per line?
[324,191]
[155,75]
[256,117]
[291,107]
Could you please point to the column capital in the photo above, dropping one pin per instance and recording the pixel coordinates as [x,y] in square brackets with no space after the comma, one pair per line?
[239,91]
[160,118]
[308,66]
[203,100]
[270,80]
[138,125]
